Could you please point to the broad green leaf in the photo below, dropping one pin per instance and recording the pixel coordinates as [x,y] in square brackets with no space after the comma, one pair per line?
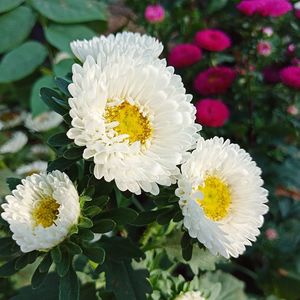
[15,27]
[6,5]
[103,226]
[37,105]
[63,266]
[125,282]
[63,67]
[46,263]
[71,11]
[56,255]
[22,61]
[95,254]
[85,222]
[60,164]
[63,84]
[73,153]
[38,278]
[52,99]
[69,286]
[73,248]
[120,215]
[58,140]
[91,211]
[60,36]
[8,269]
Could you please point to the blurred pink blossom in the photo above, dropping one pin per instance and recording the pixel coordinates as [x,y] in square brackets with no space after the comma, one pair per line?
[264,48]
[290,76]
[184,55]
[292,110]
[271,234]
[154,13]
[268,31]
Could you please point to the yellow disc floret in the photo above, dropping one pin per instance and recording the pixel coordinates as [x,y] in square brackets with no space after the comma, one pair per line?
[45,212]
[131,122]
[216,198]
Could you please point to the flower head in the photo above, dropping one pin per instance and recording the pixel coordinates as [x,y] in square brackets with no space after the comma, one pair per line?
[292,110]
[44,121]
[290,76]
[264,48]
[212,40]
[10,118]
[184,55]
[268,31]
[221,197]
[42,210]
[249,7]
[154,13]
[134,119]
[211,112]
[190,296]
[214,80]
[271,234]
[15,143]
[32,168]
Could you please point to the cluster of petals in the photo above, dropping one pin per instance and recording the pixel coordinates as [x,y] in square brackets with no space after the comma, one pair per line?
[214,80]
[290,76]
[265,8]
[154,13]
[184,55]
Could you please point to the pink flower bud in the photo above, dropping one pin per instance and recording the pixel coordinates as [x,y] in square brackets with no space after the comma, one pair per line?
[264,48]
[154,13]
[271,234]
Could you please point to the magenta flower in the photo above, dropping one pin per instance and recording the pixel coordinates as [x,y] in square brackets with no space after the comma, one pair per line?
[212,40]
[184,55]
[264,48]
[211,112]
[154,13]
[290,76]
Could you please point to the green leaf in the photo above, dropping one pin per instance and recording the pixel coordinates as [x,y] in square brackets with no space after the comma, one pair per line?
[63,266]
[147,217]
[46,263]
[13,182]
[59,140]
[38,278]
[216,5]
[73,248]
[69,286]
[86,234]
[120,215]
[60,36]
[29,55]
[56,255]
[37,105]
[95,254]
[52,99]
[63,67]
[73,153]
[8,269]
[71,11]
[167,216]
[103,226]
[60,164]
[91,211]
[63,84]
[85,222]
[12,34]
[125,282]
[4,174]
[6,5]
[24,260]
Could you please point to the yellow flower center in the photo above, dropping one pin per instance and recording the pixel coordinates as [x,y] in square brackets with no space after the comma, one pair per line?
[131,122]
[216,198]
[45,212]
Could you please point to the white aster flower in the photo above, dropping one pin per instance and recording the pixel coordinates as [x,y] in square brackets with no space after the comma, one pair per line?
[44,121]
[42,210]
[11,118]
[134,119]
[126,43]
[32,168]
[15,143]
[221,197]
[190,296]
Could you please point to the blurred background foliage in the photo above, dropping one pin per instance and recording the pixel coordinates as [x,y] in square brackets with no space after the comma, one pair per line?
[34,48]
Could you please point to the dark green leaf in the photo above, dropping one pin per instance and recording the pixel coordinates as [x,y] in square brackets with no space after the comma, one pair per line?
[167,216]
[46,263]
[52,99]
[60,164]
[29,55]
[13,182]
[56,255]
[120,215]
[101,201]
[91,211]
[86,234]
[148,217]
[38,278]
[8,269]
[85,222]
[73,248]
[58,140]
[95,254]
[11,33]
[103,226]
[67,119]
[63,84]
[69,286]
[71,11]
[24,260]
[63,266]
[6,5]
[73,153]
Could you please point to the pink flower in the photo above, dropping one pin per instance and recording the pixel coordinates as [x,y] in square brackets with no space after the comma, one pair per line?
[268,31]
[271,234]
[264,48]
[214,80]
[154,13]
[212,40]
[265,8]
[291,49]
[211,112]
[290,76]
[292,110]
[184,55]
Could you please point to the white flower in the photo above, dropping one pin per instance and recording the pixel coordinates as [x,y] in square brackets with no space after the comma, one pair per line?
[16,142]
[122,44]
[135,120]
[297,5]
[11,118]
[35,167]
[44,121]
[40,149]
[42,210]
[221,197]
[190,296]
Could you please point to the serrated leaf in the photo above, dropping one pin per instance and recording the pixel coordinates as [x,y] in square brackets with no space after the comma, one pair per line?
[69,286]
[104,226]
[29,55]
[13,182]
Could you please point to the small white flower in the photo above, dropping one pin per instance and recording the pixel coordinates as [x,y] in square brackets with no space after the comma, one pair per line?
[221,197]
[32,168]
[11,118]
[297,5]
[42,210]
[127,44]
[16,142]
[40,149]
[190,296]
[134,119]
[44,121]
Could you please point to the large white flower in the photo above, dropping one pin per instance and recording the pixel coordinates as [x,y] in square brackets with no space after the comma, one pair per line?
[135,120]
[42,210]
[190,296]
[15,143]
[126,43]
[32,168]
[221,197]
[44,121]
